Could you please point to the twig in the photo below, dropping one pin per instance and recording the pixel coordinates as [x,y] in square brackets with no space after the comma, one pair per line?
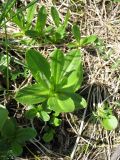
[79,135]
[80,130]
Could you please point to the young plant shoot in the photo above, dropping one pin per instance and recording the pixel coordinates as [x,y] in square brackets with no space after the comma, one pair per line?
[56,81]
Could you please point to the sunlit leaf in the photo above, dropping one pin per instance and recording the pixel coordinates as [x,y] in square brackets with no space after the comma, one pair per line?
[88,40]
[73,64]
[79,101]
[61,103]
[37,63]
[41,20]
[30,14]
[56,65]
[55,16]
[44,116]
[110,123]
[76,33]
[32,94]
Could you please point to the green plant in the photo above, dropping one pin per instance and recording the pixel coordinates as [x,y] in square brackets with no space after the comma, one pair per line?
[6,7]
[48,34]
[110,122]
[59,32]
[40,31]
[57,82]
[43,113]
[12,137]
[21,19]
[79,41]
[106,117]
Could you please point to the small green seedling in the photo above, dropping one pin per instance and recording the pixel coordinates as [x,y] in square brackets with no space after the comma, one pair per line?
[79,41]
[39,111]
[21,19]
[45,115]
[40,31]
[59,31]
[12,137]
[106,117]
[49,34]
[57,81]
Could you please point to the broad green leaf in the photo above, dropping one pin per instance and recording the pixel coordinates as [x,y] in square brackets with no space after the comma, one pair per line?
[73,64]
[41,78]
[44,116]
[60,32]
[16,149]
[79,101]
[74,80]
[70,61]
[25,134]
[9,128]
[88,40]
[32,94]
[30,14]
[41,20]
[56,65]
[110,123]
[63,81]
[31,114]
[66,19]
[37,63]
[57,122]
[3,116]
[55,16]
[61,103]
[48,136]
[76,33]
